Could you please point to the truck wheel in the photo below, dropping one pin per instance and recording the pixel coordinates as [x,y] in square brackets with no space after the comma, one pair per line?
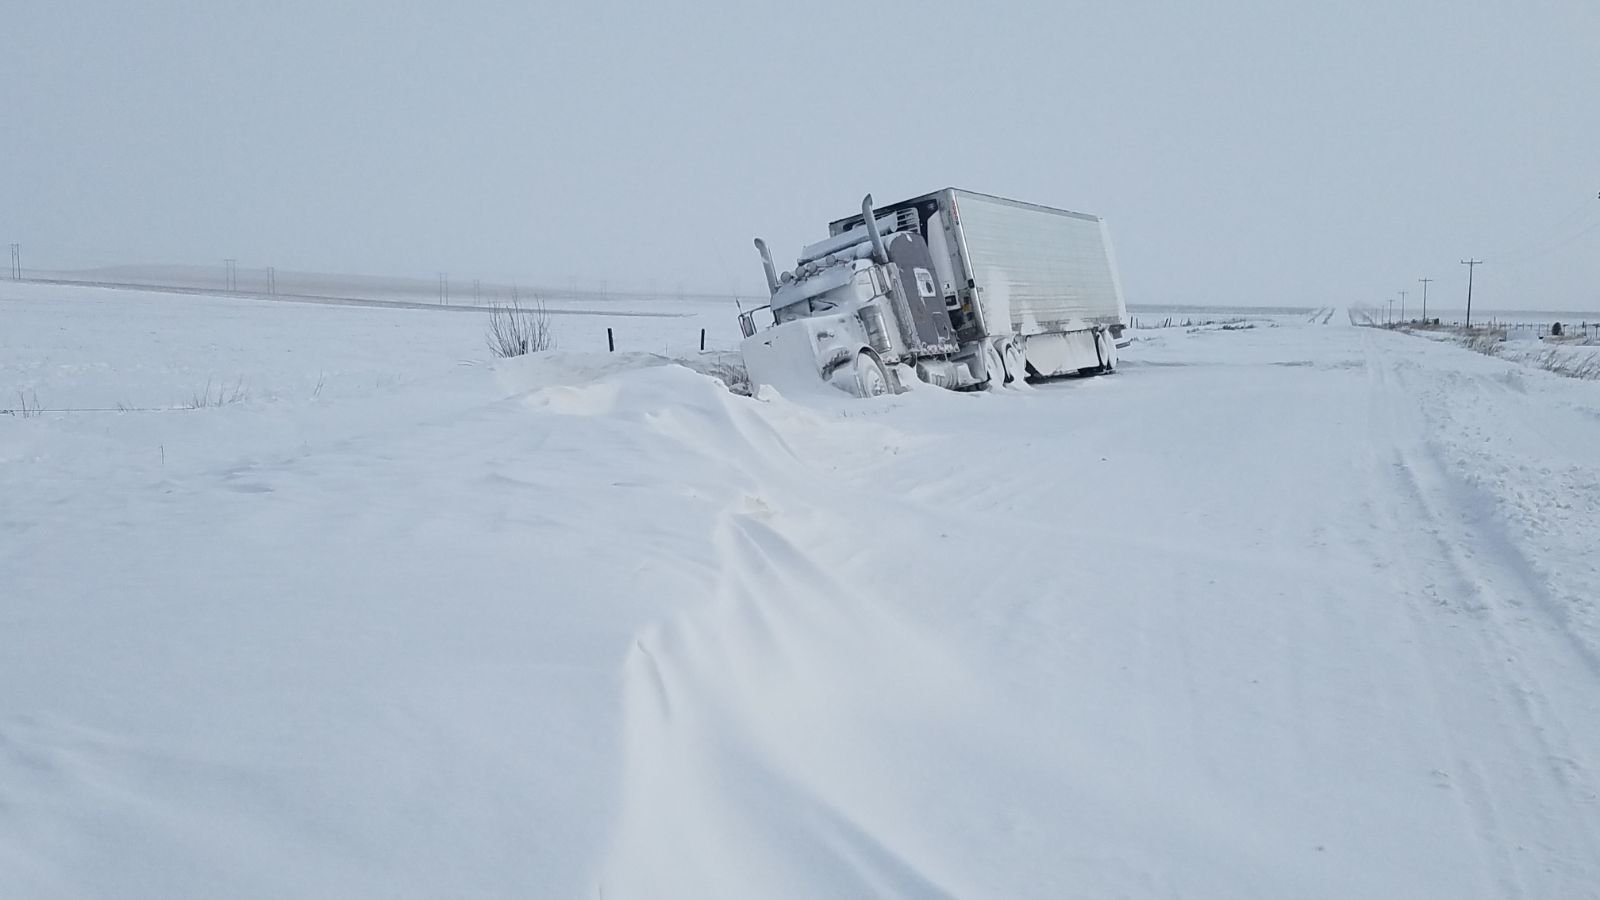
[871,379]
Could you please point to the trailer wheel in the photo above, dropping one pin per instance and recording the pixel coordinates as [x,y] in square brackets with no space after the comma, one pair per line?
[1016,362]
[1108,352]
[993,366]
[871,379]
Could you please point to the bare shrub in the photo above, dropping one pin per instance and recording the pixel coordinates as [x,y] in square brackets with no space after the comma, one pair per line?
[25,409]
[1561,361]
[516,330]
[1584,366]
[723,365]
[223,396]
[1487,344]
[734,375]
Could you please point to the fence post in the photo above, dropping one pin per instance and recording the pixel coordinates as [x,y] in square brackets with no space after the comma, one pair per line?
[611,342]
[702,340]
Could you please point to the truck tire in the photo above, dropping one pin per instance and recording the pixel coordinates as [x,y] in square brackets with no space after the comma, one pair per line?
[871,380]
[1016,362]
[1108,352]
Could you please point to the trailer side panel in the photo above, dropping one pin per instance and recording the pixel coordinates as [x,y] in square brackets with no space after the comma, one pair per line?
[1042,269]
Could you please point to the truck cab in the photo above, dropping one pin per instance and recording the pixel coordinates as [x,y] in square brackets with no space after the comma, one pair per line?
[861,310]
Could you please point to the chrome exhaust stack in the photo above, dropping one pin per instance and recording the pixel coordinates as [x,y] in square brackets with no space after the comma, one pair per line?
[766,262]
[878,252]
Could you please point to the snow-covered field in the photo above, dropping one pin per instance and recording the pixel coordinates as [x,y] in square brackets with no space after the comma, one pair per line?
[1301,610]
[1144,317]
[1573,354]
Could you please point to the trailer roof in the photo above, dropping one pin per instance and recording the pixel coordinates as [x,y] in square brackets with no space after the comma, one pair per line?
[1024,203]
[912,201]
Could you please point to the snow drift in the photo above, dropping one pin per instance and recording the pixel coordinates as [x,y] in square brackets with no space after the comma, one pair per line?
[1298,611]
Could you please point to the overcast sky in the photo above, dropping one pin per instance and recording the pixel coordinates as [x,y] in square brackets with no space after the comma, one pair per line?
[1244,151]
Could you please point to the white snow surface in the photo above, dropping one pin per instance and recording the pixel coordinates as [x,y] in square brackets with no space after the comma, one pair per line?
[1302,610]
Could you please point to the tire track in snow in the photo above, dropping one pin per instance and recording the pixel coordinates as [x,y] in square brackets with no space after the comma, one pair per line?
[1549,613]
[1496,581]
[1553,492]
[1478,805]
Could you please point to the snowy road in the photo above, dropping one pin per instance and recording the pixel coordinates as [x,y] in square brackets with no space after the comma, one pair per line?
[1294,611]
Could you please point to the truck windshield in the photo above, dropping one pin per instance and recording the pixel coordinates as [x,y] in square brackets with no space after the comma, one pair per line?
[803,309]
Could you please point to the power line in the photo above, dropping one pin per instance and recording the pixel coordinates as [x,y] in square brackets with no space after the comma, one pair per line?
[1557,244]
[1471,264]
[1581,216]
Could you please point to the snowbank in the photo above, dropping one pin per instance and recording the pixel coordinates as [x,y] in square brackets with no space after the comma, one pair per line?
[1298,611]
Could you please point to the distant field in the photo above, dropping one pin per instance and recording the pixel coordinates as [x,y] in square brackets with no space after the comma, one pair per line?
[1451,316]
[1498,316]
[440,291]
[144,348]
[1445,314]
[1154,316]
[1175,309]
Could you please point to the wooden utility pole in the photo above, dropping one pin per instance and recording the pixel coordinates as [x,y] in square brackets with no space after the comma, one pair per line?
[1471,264]
[1424,299]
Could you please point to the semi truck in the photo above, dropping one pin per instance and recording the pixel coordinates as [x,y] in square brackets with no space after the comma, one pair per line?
[957,289]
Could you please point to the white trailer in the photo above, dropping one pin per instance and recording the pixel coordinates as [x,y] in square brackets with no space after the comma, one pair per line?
[959,289]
